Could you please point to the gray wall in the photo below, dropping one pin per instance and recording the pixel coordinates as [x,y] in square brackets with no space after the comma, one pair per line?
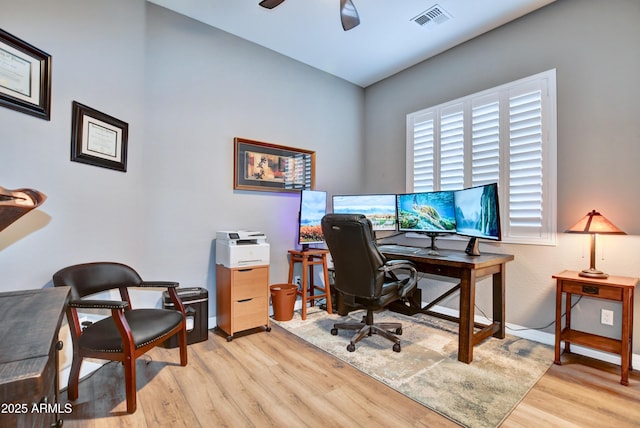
[187,89]
[98,51]
[595,52]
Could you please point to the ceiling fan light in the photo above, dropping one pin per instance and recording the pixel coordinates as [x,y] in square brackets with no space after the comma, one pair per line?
[348,15]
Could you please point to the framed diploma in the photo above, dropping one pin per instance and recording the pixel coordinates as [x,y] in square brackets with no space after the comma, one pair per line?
[271,168]
[98,139]
[25,77]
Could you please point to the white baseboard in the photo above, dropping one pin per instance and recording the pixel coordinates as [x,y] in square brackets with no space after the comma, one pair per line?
[546,338]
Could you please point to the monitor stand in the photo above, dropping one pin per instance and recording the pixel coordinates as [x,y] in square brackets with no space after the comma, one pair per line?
[473,248]
[433,237]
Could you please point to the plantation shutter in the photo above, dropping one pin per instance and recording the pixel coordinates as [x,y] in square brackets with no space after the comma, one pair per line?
[485,141]
[452,148]
[505,135]
[525,214]
[423,154]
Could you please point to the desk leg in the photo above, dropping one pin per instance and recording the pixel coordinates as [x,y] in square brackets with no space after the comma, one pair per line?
[556,359]
[467,311]
[499,302]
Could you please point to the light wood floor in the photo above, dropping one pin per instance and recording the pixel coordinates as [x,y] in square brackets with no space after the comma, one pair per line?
[276,379]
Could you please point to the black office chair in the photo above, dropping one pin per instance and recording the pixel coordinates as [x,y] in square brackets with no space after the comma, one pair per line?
[363,274]
[127,333]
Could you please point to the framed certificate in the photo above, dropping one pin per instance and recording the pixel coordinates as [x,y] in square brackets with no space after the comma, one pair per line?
[98,139]
[25,77]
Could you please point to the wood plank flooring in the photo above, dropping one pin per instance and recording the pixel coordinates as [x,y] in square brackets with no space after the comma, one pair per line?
[276,379]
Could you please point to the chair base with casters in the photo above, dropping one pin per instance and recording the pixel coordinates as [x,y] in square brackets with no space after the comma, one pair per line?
[368,328]
[125,335]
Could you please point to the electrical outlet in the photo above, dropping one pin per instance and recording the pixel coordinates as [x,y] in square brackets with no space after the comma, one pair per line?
[297,280]
[606,317]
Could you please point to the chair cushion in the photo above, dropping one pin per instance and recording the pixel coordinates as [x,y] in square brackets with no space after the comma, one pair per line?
[147,325]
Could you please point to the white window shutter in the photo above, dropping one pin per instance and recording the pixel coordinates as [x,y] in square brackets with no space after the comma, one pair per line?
[485,142]
[452,149]
[423,154]
[506,135]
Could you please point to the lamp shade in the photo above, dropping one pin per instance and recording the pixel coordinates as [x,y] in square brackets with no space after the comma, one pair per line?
[594,222]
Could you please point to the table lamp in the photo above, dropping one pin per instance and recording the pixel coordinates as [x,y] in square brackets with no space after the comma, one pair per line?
[594,223]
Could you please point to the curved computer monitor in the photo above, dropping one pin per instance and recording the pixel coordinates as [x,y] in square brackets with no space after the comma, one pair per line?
[313,206]
[379,209]
[478,214]
[426,212]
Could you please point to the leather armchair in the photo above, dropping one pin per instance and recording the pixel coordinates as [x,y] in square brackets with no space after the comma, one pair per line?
[363,274]
[125,335]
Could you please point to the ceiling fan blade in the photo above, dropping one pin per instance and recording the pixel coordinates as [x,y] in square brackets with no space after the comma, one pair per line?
[348,15]
[270,4]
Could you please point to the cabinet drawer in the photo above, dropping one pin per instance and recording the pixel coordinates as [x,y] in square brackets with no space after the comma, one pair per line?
[250,282]
[600,291]
[250,313]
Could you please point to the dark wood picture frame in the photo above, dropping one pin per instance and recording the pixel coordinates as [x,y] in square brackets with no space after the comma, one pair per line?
[98,139]
[272,168]
[25,77]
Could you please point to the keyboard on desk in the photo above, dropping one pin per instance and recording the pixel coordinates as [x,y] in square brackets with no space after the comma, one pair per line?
[399,249]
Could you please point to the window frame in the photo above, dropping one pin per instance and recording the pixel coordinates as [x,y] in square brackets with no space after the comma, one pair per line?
[543,84]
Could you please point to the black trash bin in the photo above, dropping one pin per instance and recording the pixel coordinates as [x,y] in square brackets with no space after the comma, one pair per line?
[196,308]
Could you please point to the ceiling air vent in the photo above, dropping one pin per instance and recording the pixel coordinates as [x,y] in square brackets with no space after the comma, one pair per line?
[433,15]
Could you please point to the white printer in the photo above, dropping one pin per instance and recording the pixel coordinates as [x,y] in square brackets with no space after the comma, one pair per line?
[240,248]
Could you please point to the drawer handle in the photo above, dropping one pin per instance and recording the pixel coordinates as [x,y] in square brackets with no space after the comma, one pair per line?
[245,270]
[590,289]
[245,300]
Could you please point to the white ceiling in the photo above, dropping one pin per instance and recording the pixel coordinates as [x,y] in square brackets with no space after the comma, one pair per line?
[386,41]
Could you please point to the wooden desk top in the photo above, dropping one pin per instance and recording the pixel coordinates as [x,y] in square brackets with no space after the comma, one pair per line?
[453,258]
[30,320]
[612,280]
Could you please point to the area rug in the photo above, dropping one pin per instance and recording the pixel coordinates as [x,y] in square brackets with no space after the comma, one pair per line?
[480,394]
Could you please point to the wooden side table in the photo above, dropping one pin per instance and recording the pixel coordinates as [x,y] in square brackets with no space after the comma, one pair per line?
[617,288]
[309,259]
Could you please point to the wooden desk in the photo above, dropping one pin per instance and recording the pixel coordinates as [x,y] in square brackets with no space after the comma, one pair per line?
[617,288]
[468,269]
[29,357]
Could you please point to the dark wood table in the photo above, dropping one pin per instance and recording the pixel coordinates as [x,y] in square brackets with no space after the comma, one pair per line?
[29,357]
[468,269]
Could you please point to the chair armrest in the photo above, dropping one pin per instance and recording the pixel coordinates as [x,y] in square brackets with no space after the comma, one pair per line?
[406,284]
[98,304]
[392,265]
[161,284]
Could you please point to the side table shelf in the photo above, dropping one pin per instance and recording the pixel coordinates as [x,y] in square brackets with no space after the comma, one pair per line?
[616,288]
